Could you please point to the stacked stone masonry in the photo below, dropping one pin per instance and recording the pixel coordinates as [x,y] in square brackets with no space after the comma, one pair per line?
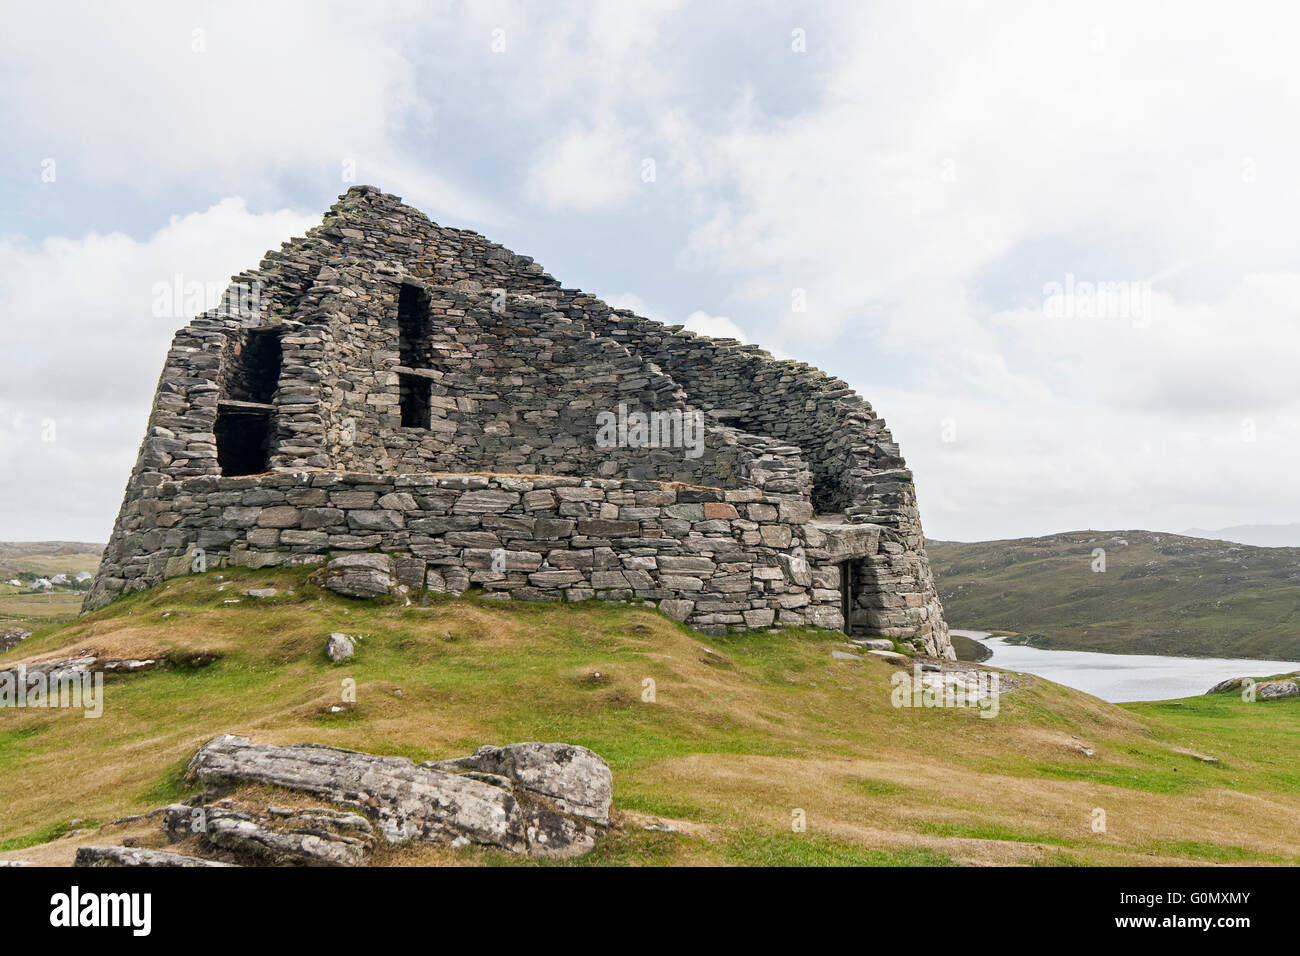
[393,385]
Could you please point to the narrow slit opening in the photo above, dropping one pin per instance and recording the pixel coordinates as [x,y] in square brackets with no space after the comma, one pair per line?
[413,326]
[415,400]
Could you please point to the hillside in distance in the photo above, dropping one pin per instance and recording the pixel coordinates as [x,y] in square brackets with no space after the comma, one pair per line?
[32,593]
[1159,593]
[48,557]
[1259,535]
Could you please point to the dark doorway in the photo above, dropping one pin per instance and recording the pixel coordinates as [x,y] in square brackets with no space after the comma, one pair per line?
[243,442]
[848,592]
[413,326]
[415,401]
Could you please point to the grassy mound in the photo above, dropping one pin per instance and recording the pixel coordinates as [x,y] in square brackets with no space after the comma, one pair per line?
[742,733]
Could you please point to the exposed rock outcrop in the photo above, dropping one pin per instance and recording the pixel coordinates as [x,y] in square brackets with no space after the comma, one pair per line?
[316,836]
[547,800]
[1275,689]
[1263,690]
[61,668]
[11,636]
[137,856]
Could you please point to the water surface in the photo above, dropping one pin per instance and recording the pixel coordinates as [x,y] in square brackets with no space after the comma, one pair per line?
[1125,677]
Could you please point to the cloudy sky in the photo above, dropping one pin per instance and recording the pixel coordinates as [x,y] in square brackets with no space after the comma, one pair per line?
[1054,244]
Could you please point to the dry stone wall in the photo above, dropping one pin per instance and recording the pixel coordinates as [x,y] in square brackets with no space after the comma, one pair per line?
[516,386]
[382,348]
[857,467]
[716,559]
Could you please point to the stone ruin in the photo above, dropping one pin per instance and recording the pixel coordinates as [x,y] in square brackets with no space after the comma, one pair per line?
[388,385]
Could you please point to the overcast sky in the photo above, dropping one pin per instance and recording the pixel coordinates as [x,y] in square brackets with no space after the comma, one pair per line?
[943,186]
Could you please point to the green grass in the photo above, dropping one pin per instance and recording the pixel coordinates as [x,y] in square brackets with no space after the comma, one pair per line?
[969,649]
[51,831]
[1009,834]
[877,788]
[734,741]
[753,848]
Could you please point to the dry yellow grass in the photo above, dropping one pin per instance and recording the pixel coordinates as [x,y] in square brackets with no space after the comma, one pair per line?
[734,742]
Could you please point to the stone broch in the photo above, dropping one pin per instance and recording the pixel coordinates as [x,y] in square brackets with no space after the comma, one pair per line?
[414,407]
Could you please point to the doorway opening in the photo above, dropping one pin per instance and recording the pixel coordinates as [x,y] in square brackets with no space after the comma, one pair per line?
[848,593]
[243,441]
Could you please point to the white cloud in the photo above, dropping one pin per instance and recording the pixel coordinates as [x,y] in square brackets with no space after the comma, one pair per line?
[987,470]
[918,175]
[634,303]
[714,326]
[182,88]
[586,169]
[84,348]
[928,165]
[230,96]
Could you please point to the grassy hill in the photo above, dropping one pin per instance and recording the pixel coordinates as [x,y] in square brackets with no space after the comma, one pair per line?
[743,731]
[1159,594]
[48,557]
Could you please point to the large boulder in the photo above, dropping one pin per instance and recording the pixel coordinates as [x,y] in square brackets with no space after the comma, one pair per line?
[1264,690]
[573,778]
[12,636]
[339,647]
[561,788]
[316,836]
[1232,683]
[1276,689]
[541,799]
[360,575]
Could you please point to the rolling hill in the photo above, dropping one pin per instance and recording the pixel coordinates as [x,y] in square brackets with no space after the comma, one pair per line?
[1159,593]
